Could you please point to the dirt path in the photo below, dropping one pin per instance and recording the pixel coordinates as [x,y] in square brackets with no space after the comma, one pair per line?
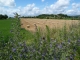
[52,23]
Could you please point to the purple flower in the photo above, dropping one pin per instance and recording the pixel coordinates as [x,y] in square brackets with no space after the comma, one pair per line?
[34,50]
[20,44]
[69,41]
[43,54]
[11,31]
[60,46]
[71,57]
[54,59]
[10,57]
[67,58]
[78,41]
[13,49]
[20,55]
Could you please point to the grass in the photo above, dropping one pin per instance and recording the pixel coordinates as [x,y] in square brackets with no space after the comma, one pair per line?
[5,26]
[5,30]
[52,44]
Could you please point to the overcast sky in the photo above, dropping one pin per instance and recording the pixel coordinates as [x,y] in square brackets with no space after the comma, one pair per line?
[36,7]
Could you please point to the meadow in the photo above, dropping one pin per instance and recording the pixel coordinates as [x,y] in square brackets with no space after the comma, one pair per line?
[5,26]
[51,44]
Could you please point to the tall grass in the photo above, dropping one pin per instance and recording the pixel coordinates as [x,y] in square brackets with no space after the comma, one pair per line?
[52,44]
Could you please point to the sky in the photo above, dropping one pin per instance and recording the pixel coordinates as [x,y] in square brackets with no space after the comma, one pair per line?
[37,7]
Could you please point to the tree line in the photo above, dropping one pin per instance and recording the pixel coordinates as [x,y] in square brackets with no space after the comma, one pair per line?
[3,16]
[54,16]
[58,16]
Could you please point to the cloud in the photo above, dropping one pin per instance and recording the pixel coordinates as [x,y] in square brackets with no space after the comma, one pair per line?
[42,0]
[32,10]
[57,7]
[74,10]
[60,7]
[75,5]
[8,3]
[28,10]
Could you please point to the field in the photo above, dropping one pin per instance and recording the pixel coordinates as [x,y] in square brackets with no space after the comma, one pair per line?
[39,39]
[5,27]
[41,23]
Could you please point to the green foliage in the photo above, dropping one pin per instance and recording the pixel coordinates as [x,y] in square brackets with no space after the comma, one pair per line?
[54,16]
[52,44]
[3,16]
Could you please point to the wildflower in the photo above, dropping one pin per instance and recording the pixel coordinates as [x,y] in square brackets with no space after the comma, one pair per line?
[11,57]
[24,44]
[20,55]
[55,41]
[54,59]
[42,58]
[24,50]
[43,54]
[69,41]
[63,43]
[74,49]
[11,31]
[51,45]
[71,57]
[34,50]
[20,44]
[60,46]
[67,58]
[78,42]
[13,49]
[24,56]
[41,42]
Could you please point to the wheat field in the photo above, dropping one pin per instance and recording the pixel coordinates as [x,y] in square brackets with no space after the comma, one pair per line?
[41,23]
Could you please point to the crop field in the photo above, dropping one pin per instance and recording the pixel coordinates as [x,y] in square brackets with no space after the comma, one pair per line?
[41,23]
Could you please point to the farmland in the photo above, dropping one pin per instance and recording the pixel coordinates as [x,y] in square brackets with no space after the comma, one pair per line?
[41,23]
[37,39]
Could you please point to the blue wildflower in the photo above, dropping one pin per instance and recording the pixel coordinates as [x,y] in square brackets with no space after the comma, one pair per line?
[11,57]
[13,49]
[60,46]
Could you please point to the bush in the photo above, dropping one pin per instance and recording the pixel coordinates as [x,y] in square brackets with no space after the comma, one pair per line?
[3,16]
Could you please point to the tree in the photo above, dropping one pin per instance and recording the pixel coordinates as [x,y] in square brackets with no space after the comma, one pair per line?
[3,16]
